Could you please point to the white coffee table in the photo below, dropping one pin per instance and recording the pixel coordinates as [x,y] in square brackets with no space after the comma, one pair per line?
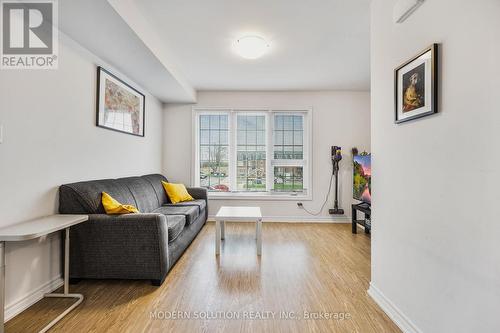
[237,214]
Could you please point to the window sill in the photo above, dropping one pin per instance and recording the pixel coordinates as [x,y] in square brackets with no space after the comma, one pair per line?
[258,196]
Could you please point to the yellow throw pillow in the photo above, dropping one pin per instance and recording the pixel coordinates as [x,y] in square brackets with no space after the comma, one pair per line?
[177,192]
[113,207]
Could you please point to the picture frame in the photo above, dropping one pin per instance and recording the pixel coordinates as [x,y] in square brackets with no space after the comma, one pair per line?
[416,86]
[119,106]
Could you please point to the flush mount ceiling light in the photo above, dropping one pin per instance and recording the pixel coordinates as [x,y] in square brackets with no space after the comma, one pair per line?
[251,47]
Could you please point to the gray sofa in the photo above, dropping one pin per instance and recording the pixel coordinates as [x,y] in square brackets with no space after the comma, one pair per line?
[131,246]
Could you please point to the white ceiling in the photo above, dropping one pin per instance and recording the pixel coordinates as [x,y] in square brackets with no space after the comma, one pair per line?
[174,47]
[315,44]
[95,25]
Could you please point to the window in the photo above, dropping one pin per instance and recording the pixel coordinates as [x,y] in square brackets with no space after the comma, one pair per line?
[288,179]
[252,152]
[288,137]
[288,143]
[214,152]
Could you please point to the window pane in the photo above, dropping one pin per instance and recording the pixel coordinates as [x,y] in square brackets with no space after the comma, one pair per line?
[214,152]
[298,184]
[252,122]
[251,137]
[214,122]
[261,138]
[204,137]
[242,136]
[298,152]
[242,123]
[278,152]
[251,145]
[204,153]
[297,123]
[297,138]
[224,137]
[289,135]
[278,122]
[288,179]
[261,123]
[288,152]
[223,122]
[204,122]
[214,137]
[224,152]
[278,137]
[251,153]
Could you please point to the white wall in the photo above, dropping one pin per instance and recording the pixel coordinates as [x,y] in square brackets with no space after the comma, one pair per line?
[50,138]
[435,241]
[339,118]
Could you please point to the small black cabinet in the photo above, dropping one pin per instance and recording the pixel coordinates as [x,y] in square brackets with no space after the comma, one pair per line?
[366,222]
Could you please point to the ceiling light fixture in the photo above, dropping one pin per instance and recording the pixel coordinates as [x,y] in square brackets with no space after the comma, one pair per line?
[251,47]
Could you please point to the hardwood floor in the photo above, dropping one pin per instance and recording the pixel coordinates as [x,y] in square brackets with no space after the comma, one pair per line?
[318,268]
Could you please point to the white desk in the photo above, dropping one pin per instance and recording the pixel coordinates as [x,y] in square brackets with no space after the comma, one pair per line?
[237,214]
[35,229]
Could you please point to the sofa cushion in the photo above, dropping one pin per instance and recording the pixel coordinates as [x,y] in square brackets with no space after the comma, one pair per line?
[155,181]
[201,204]
[175,224]
[85,197]
[190,212]
[143,193]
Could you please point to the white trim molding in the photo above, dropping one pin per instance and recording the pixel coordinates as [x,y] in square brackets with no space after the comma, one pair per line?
[397,316]
[18,306]
[299,219]
[258,196]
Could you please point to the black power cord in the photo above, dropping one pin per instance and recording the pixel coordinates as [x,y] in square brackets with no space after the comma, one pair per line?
[326,199]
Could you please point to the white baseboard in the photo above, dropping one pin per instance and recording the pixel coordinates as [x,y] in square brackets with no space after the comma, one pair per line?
[22,304]
[300,219]
[398,317]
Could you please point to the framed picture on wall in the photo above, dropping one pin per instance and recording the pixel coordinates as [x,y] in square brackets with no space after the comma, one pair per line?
[415,86]
[120,107]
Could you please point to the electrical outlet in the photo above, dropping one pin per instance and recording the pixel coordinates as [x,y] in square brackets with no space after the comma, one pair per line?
[299,204]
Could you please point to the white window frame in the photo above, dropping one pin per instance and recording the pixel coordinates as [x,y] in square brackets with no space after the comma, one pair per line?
[306,162]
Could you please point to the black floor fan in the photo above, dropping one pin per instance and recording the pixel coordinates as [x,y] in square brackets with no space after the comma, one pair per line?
[336,157]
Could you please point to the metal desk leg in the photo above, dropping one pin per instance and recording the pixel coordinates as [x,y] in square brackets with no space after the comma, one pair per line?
[259,237]
[66,293]
[217,237]
[2,287]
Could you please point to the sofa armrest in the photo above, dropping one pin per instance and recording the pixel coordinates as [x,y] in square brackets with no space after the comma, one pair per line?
[120,246]
[198,192]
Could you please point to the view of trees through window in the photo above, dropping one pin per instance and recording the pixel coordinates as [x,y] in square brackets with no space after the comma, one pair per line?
[288,137]
[288,146]
[251,153]
[214,152]
[234,147]
[288,179]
